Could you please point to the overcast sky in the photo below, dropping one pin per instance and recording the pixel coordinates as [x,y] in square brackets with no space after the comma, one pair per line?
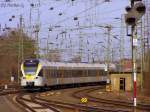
[62,13]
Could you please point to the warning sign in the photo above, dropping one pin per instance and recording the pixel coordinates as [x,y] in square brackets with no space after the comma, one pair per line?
[84,100]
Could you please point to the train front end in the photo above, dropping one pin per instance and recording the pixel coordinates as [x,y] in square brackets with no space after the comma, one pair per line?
[31,73]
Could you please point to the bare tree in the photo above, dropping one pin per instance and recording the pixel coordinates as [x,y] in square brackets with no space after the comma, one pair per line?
[11,50]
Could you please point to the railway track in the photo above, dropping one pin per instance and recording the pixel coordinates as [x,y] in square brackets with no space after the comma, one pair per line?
[77,107]
[9,91]
[29,104]
[112,103]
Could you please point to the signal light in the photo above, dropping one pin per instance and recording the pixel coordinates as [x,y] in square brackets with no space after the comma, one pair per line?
[131,21]
[140,7]
[135,13]
[128,8]
[36,77]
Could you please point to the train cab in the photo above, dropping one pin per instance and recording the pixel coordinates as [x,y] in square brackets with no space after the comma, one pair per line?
[31,73]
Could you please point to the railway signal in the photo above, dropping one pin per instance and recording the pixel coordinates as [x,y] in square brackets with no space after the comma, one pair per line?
[134,14]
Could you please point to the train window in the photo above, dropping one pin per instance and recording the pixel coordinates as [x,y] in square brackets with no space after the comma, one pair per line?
[30,70]
[53,73]
[31,63]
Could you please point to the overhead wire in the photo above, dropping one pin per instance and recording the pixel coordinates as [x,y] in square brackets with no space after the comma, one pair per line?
[67,18]
[71,17]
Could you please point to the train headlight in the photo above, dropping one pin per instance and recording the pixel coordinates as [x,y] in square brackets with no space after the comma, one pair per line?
[36,77]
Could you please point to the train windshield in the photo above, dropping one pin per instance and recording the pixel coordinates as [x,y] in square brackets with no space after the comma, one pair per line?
[30,70]
[30,66]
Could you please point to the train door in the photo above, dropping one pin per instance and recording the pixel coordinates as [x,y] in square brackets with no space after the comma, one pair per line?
[62,75]
[122,84]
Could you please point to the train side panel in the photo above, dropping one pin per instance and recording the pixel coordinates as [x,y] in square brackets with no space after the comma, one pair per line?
[74,80]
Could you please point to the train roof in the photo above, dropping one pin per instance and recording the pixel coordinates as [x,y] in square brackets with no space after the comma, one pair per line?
[68,65]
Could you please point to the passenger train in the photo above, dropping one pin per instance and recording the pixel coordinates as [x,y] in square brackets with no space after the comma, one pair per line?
[41,73]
